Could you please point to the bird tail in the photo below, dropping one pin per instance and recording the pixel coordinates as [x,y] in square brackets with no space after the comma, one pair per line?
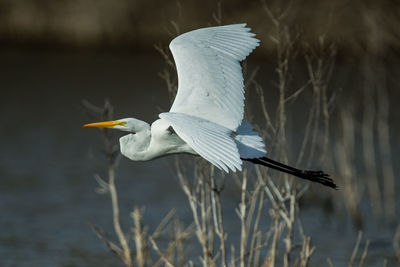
[248,142]
[314,176]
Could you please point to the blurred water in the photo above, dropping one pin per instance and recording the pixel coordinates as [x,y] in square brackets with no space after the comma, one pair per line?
[48,160]
[47,163]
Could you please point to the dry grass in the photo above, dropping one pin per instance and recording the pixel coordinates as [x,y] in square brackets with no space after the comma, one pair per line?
[112,153]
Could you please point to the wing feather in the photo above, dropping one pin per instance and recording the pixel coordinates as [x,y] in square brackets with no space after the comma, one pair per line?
[210,140]
[210,80]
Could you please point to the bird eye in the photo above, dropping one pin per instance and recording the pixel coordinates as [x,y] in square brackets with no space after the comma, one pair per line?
[122,123]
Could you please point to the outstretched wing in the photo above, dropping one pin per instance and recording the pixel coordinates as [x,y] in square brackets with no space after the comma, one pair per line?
[208,139]
[210,80]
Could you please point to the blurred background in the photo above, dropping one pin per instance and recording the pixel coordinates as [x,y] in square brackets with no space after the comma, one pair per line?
[55,54]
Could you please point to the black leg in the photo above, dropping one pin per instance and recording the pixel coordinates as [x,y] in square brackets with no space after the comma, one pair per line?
[314,176]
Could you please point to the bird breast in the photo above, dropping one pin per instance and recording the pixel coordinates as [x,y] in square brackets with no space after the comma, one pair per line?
[166,141]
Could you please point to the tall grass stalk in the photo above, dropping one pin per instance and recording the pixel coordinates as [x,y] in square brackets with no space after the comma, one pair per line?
[113,157]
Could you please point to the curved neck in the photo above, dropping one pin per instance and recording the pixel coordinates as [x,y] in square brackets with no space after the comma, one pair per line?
[135,146]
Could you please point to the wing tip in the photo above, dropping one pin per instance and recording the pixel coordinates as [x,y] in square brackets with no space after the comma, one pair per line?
[239,30]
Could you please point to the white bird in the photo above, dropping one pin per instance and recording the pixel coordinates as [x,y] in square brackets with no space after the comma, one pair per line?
[206,117]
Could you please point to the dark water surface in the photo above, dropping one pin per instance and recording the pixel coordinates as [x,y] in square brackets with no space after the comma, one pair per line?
[48,160]
[47,163]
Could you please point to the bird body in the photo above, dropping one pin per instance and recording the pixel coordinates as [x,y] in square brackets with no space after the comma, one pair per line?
[152,142]
[206,117]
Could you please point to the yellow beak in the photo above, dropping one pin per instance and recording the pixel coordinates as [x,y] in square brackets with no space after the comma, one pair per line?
[104,124]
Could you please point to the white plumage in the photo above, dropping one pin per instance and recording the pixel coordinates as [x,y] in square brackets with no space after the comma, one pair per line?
[210,77]
[206,117]
[210,140]
[209,105]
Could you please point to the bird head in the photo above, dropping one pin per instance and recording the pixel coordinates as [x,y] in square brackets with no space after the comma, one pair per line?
[128,125]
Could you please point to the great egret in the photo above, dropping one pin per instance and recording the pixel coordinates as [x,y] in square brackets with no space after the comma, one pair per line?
[206,117]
